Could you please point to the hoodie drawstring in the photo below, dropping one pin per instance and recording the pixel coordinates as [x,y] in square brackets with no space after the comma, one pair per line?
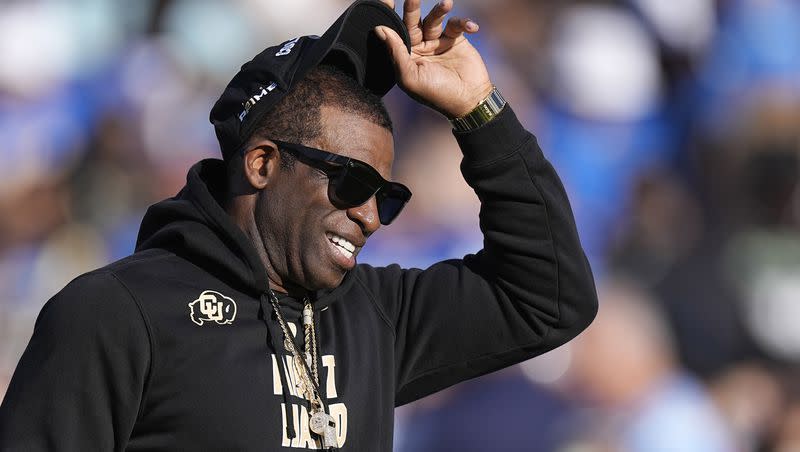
[275,338]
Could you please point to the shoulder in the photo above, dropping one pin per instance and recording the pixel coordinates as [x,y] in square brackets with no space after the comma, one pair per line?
[394,275]
[386,279]
[92,318]
[97,299]
[390,283]
[93,297]
[369,274]
[106,284]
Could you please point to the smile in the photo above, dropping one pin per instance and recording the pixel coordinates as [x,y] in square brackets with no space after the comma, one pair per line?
[343,245]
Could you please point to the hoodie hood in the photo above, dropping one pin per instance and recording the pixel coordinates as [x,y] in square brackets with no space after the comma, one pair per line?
[194,225]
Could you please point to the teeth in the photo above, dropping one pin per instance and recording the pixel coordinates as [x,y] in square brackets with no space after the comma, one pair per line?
[343,243]
[346,253]
[345,247]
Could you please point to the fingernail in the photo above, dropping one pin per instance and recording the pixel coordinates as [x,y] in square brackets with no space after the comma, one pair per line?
[381,33]
[472,25]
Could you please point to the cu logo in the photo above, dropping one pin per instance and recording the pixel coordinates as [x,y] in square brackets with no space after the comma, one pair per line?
[212,306]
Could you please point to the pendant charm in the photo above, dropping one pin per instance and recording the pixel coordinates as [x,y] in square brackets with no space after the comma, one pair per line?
[329,440]
[322,424]
[319,421]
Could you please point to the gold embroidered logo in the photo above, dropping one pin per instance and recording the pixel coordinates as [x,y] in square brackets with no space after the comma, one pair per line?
[212,306]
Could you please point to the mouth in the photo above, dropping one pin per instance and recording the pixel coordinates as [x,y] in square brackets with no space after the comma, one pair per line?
[346,251]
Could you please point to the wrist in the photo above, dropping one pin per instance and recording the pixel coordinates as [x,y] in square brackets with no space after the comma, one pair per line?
[486,110]
[471,101]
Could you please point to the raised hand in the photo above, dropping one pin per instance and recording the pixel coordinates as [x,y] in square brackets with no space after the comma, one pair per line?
[443,71]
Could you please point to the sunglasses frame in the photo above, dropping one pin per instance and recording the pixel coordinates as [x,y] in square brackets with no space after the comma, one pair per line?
[337,167]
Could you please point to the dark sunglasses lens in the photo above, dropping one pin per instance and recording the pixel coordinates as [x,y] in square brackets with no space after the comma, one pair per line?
[354,186]
[391,200]
[357,182]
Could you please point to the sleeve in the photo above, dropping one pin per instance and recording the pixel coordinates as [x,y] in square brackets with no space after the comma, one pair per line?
[81,379]
[528,291]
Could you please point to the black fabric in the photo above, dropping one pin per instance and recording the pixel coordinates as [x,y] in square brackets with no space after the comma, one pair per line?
[349,43]
[274,340]
[120,359]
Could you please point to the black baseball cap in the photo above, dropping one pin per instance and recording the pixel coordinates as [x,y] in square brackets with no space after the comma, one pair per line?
[349,43]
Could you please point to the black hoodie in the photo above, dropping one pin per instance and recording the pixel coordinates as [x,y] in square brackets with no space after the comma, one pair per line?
[134,356]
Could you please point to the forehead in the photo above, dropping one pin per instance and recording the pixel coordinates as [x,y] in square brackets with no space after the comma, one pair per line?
[352,135]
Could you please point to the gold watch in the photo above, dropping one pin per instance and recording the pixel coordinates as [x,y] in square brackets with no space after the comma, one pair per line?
[482,114]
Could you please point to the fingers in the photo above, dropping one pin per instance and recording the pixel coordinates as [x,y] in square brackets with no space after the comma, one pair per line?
[411,17]
[457,26]
[404,66]
[430,29]
[389,3]
[432,24]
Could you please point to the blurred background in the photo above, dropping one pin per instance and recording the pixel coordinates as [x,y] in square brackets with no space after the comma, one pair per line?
[675,127]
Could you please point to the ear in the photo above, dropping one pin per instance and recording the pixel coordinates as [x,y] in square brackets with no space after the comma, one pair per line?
[261,163]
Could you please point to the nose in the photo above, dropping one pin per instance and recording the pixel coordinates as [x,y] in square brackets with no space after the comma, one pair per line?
[366,215]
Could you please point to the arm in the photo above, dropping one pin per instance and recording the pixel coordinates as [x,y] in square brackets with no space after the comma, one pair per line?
[79,384]
[530,289]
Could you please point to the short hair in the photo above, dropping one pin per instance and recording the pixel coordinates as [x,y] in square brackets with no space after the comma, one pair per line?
[297,119]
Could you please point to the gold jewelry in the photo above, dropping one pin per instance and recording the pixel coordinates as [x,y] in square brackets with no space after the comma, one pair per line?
[320,422]
[300,362]
[482,114]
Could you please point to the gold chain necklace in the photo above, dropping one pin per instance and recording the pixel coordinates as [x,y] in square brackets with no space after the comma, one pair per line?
[319,422]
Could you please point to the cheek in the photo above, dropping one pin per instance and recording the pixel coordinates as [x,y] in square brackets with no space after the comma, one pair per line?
[267,211]
[301,206]
[310,196]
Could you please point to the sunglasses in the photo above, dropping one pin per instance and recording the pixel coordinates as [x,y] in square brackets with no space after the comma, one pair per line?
[353,182]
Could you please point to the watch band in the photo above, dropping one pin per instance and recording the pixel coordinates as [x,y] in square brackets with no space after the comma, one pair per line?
[480,115]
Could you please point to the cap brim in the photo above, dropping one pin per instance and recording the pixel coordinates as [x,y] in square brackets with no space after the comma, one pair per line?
[351,43]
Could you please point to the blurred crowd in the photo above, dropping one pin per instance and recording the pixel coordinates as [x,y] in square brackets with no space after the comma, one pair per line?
[675,127]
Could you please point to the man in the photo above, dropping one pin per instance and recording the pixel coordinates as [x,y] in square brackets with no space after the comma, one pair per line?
[242,322]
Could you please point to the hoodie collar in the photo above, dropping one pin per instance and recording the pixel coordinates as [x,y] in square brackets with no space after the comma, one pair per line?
[194,226]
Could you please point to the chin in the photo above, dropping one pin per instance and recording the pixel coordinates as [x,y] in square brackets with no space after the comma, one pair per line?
[328,281]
